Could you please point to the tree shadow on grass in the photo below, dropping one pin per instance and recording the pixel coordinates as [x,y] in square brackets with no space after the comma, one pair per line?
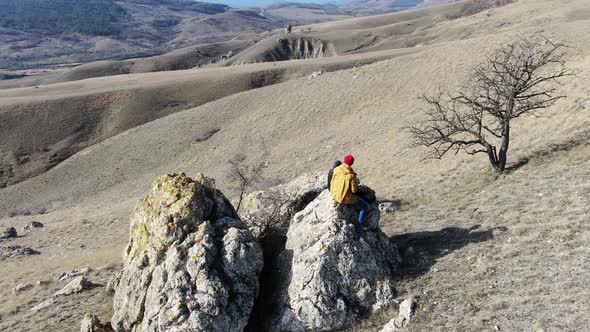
[551,150]
[421,250]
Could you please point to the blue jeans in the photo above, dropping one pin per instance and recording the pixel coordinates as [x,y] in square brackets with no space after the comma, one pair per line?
[364,206]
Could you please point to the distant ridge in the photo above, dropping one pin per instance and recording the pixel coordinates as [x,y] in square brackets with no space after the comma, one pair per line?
[41,33]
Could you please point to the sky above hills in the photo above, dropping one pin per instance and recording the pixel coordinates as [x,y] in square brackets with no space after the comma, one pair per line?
[252,3]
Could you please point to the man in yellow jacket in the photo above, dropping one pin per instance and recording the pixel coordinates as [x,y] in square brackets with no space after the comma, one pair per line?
[344,185]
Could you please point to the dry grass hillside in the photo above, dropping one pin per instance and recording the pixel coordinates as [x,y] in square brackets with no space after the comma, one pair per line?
[184,58]
[34,35]
[482,252]
[102,108]
[412,28]
[419,27]
[87,112]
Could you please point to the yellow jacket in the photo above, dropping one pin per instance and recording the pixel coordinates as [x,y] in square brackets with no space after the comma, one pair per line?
[344,185]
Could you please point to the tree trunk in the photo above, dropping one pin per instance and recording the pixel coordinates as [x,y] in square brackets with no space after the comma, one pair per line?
[240,201]
[493,157]
[504,148]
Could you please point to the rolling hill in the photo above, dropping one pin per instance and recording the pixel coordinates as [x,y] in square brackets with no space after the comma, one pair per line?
[411,28]
[106,110]
[35,33]
[42,33]
[481,251]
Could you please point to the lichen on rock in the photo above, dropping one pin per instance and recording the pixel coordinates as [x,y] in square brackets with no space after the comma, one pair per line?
[190,265]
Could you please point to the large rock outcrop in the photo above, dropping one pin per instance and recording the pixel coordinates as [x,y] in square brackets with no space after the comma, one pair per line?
[332,272]
[297,262]
[322,272]
[190,264]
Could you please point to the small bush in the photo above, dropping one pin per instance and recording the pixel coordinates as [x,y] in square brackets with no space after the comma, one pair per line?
[206,135]
[15,212]
[18,212]
[476,6]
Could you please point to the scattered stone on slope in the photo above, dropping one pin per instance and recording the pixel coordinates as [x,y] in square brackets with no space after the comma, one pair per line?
[406,311]
[44,305]
[43,282]
[190,265]
[8,233]
[74,273]
[91,323]
[315,74]
[77,285]
[387,207]
[333,273]
[15,251]
[21,288]
[32,225]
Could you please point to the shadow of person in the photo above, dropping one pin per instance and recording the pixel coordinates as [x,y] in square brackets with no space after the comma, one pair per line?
[421,250]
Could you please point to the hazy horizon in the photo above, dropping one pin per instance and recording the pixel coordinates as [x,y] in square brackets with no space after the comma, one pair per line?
[255,3]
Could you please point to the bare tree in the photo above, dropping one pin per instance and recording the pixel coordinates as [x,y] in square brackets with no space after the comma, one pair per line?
[246,175]
[518,79]
[272,219]
[243,176]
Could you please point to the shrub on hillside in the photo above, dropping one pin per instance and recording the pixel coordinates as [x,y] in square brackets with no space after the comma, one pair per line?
[15,212]
[473,7]
[18,212]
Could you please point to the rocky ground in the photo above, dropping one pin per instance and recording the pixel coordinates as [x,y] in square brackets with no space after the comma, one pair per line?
[526,249]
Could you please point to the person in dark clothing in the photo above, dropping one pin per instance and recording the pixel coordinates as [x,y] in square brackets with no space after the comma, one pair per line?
[331,172]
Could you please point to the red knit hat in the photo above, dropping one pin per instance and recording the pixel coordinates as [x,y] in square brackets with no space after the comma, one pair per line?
[349,160]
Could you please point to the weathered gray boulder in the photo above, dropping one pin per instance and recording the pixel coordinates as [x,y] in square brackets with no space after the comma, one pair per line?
[8,233]
[269,212]
[72,274]
[268,215]
[43,305]
[91,323]
[406,310]
[387,207]
[32,225]
[331,272]
[15,251]
[77,285]
[21,288]
[190,265]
